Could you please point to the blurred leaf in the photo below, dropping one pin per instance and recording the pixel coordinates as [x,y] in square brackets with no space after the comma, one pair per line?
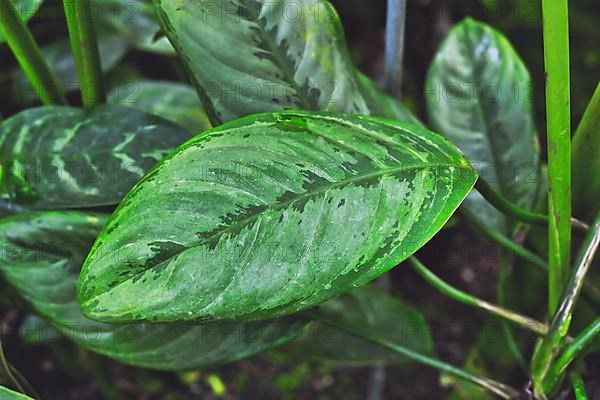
[586,161]
[44,252]
[478,96]
[26,9]
[64,157]
[176,102]
[136,21]
[271,195]
[7,394]
[58,55]
[35,330]
[249,57]
[370,309]
[10,378]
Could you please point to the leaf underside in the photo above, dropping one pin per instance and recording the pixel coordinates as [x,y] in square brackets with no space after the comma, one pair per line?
[272,214]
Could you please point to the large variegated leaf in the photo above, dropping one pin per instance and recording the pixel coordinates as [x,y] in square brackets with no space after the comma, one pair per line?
[62,157]
[479,96]
[249,56]
[272,214]
[366,308]
[43,255]
[173,101]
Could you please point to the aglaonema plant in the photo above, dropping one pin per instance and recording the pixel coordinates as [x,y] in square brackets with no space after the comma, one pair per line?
[300,182]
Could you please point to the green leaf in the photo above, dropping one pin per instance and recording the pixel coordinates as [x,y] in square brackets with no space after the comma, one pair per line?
[250,56]
[7,394]
[372,310]
[26,10]
[176,102]
[272,214]
[136,21]
[64,157]
[58,55]
[586,162]
[43,255]
[478,96]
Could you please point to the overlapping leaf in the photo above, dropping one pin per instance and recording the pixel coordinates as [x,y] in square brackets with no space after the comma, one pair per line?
[479,96]
[43,254]
[249,56]
[61,157]
[272,214]
[367,309]
[176,102]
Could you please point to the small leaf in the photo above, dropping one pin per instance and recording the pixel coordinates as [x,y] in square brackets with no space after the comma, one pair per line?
[26,10]
[112,49]
[176,102]
[44,252]
[7,394]
[64,157]
[371,310]
[250,56]
[478,95]
[272,214]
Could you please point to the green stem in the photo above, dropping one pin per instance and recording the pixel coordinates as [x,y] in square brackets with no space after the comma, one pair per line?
[584,339]
[465,298]
[500,389]
[85,51]
[394,46]
[505,206]
[578,387]
[544,355]
[504,241]
[29,55]
[558,115]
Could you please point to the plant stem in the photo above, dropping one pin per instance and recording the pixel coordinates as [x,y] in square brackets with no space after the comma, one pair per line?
[505,206]
[465,298]
[578,387]
[29,55]
[500,389]
[504,241]
[544,355]
[85,51]
[394,46]
[558,115]
[586,163]
[571,352]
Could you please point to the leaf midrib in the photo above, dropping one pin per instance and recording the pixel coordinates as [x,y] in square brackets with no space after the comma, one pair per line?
[307,195]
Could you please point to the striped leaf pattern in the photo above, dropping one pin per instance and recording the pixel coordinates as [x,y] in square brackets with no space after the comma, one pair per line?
[272,214]
[43,255]
[63,157]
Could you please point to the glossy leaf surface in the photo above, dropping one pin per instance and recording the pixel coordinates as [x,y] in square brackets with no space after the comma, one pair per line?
[173,101]
[369,309]
[272,214]
[250,56]
[44,252]
[63,157]
[478,96]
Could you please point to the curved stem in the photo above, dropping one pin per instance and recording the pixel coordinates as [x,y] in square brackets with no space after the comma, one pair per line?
[465,298]
[505,206]
[29,55]
[500,389]
[573,350]
[85,51]
[543,357]
[504,241]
